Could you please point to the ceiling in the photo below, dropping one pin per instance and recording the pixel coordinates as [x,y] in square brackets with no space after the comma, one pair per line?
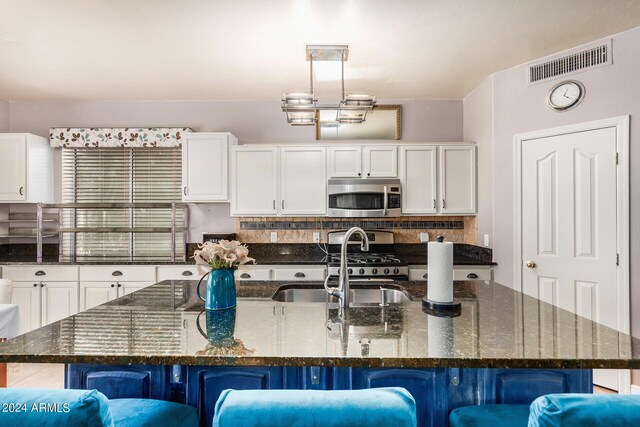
[254,49]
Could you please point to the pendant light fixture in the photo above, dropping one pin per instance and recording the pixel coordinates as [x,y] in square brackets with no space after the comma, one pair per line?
[302,108]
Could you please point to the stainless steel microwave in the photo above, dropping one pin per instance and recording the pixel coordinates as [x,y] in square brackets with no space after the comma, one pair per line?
[364,198]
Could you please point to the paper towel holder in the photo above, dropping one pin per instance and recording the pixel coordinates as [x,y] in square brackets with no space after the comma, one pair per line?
[438,308]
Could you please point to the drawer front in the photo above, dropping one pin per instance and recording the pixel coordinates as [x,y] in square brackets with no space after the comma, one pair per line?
[253,274]
[39,273]
[119,273]
[471,273]
[299,274]
[417,274]
[182,272]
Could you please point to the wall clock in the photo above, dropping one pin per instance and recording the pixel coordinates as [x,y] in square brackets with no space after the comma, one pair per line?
[565,95]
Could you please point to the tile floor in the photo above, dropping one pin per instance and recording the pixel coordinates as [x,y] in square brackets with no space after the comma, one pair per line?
[35,375]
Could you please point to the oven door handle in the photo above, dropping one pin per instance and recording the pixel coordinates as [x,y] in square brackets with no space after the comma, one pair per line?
[386,201]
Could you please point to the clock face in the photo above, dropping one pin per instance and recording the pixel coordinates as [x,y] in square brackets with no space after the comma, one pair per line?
[565,95]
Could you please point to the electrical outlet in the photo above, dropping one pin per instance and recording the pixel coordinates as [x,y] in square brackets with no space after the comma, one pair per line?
[274,237]
[424,237]
[486,240]
[316,237]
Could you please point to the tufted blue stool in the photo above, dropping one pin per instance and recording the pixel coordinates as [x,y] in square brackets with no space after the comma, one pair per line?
[89,408]
[585,410]
[377,407]
[490,416]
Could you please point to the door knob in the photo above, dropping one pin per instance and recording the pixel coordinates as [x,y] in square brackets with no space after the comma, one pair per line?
[531,264]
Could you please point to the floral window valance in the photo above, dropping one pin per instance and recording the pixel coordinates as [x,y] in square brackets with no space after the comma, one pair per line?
[117,137]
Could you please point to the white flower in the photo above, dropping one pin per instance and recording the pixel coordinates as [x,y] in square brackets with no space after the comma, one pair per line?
[225,254]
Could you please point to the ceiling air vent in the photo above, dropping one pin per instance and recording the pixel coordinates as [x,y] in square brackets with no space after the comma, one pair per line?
[569,62]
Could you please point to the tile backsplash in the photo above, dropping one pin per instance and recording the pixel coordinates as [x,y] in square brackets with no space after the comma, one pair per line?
[458,229]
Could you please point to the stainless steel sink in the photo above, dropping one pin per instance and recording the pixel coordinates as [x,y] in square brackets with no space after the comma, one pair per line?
[360,294]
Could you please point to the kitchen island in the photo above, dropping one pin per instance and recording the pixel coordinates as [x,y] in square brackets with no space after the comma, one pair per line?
[158,342]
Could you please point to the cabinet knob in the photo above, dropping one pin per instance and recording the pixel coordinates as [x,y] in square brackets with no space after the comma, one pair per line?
[113,285]
[299,274]
[368,173]
[245,276]
[282,203]
[434,203]
[424,276]
[472,276]
[117,273]
[119,285]
[40,273]
[359,174]
[35,285]
[187,273]
[184,191]
[42,285]
[274,204]
[444,204]
[21,191]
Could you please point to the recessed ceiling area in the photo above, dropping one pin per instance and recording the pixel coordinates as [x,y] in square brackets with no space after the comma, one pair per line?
[255,50]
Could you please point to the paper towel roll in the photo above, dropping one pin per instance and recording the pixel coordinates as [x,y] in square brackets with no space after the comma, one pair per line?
[440,272]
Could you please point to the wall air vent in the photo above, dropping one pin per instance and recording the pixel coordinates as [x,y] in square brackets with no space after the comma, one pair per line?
[569,62]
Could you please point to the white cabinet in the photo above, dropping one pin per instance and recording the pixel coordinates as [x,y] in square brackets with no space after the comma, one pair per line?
[45,294]
[303,181]
[299,273]
[101,284]
[205,166]
[345,162]
[380,161]
[458,179]
[26,169]
[59,300]
[254,180]
[460,272]
[419,179]
[438,179]
[374,161]
[93,294]
[27,296]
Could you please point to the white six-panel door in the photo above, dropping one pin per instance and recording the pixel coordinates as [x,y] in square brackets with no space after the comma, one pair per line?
[569,222]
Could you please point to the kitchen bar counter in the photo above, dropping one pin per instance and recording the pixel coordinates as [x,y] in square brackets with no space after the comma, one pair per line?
[158,325]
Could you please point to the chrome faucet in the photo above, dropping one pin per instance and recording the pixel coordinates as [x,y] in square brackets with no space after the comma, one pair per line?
[342,291]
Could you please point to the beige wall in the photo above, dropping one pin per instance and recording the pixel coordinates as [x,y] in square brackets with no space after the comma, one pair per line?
[4,116]
[478,128]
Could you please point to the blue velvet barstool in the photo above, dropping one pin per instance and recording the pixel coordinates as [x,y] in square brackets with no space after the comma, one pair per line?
[89,408]
[377,407]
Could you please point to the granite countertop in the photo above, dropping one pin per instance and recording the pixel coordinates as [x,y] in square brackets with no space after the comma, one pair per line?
[498,327]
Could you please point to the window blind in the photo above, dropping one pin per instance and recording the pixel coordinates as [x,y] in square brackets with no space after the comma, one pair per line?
[121,176]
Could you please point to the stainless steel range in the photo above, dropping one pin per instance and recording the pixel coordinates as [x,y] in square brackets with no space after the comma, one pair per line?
[379,263]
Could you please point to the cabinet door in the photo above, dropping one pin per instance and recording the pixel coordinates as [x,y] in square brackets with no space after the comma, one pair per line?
[458,179]
[126,288]
[205,167]
[204,385]
[96,293]
[345,162]
[427,386]
[381,161]
[419,190]
[303,181]
[27,296]
[254,181]
[119,382]
[59,300]
[13,168]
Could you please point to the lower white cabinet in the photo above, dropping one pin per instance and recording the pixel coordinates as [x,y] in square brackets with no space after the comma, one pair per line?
[59,300]
[28,296]
[293,273]
[177,272]
[101,284]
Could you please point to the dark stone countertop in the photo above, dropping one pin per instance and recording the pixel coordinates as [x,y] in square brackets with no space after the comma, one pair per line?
[498,327]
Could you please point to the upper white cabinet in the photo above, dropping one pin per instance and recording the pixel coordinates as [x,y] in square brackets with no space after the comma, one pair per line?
[345,162]
[303,181]
[458,179]
[26,168]
[278,181]
[205,166]
[374,161]
[419,179]
[438,179]
[380,161]
[254,180]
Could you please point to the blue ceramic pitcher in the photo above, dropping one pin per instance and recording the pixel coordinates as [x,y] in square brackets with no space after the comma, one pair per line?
[221,289]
